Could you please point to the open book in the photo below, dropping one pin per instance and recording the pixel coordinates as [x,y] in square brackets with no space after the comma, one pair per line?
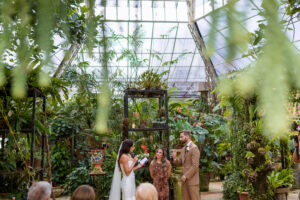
[143,161]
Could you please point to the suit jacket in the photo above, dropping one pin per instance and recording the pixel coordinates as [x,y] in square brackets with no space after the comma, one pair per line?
[190,163]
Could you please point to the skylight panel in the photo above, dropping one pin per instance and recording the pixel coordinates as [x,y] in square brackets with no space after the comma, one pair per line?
[162,45]
[159,11]
[204,27]
[197,61]
[182,11]
[184,45]
[170,10]
[135,10]
[123,12]
[147,10]
[111,13]
[197,74]
[163,30]
[183,31]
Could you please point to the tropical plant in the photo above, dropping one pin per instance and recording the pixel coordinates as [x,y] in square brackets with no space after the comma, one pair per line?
[282,178]
[208,136]
[77,177]
[260,74]
[151,79]
[60,160]
[232,184]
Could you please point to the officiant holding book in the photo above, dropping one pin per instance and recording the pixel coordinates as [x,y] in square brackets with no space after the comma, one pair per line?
[189,160]
[160,171]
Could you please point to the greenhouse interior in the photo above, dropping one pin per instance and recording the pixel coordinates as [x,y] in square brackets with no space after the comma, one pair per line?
[150,99]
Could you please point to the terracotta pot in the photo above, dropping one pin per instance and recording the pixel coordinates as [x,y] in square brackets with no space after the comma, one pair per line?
[243,195]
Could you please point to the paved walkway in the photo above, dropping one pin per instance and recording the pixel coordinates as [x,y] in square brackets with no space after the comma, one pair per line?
[216,188]
[214,193]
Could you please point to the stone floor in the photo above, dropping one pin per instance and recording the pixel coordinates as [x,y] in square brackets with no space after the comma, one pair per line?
[216,188]
[215,193]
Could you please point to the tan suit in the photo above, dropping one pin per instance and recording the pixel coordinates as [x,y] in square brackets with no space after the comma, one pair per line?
[189,160]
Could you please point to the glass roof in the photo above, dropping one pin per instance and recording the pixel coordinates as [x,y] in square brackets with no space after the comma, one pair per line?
[164,36]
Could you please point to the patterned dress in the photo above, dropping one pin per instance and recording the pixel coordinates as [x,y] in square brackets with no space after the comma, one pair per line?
[160,182]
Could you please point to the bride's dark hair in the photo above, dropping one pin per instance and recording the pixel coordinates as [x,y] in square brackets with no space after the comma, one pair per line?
[125,149]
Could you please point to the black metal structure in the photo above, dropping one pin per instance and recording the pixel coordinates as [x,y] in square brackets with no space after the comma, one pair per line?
[149,93]
[34,93]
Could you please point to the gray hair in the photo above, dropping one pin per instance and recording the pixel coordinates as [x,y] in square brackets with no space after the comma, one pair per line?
[39,191]
[146,191]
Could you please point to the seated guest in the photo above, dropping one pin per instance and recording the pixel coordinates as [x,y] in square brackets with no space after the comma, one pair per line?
[39,191]
[146,191]
[84,192]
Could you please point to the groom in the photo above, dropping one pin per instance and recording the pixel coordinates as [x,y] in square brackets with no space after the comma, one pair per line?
[189,159]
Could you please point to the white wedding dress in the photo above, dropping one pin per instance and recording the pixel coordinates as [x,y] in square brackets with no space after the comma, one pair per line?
[125,184]
[128,184]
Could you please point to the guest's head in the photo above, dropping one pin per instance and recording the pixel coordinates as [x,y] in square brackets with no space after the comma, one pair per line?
[160,155]
[146,191]
[185,136]
[39,191]
[84,192]
[127,147]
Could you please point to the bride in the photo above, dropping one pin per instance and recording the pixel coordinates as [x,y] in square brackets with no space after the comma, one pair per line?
[126,164]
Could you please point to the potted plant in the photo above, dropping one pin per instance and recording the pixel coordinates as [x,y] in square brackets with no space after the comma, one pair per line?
[243,194]
[281,181]
[94,140]
[151,79]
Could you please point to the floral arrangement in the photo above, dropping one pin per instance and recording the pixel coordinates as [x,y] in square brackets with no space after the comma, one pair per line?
[145,154]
